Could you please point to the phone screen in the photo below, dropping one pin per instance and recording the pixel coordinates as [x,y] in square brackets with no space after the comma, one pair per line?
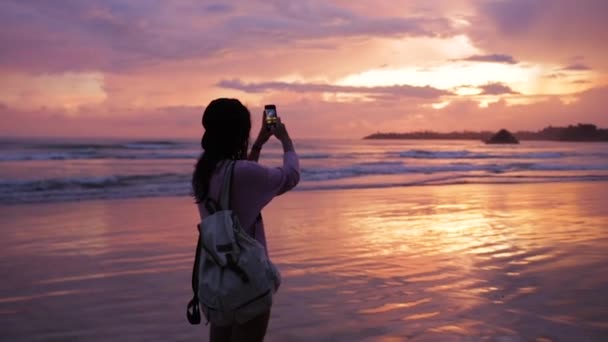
[271,114]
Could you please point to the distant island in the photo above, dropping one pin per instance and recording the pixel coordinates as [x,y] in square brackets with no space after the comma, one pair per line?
[580,132]
[502,137]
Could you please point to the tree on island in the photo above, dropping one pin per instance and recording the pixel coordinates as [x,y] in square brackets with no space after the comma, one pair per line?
[580,132]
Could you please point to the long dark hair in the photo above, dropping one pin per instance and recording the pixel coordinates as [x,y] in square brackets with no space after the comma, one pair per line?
[227,126]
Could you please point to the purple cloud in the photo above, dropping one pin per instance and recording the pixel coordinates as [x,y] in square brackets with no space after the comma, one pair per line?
[555,75]
[42,36]
[514,16]
[396,90]
[576,67]
[493,58]
[547,31]
[68,35]
[219,8]
[260,30]
[496,88]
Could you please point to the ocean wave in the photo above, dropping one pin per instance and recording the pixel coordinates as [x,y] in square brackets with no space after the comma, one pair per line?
[465,154]
[139,186]
[153,149]
[172,150]
[315,156]
[134,145]
[394,168]
[93,155]
[45,156]
[142,155]
[308,174]
[152,145]
[90,182]
[455,180]
[87,188]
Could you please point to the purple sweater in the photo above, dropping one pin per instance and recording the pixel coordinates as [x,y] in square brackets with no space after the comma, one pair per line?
[253,187]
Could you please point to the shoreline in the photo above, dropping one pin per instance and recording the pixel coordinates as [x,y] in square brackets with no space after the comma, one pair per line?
[319,187]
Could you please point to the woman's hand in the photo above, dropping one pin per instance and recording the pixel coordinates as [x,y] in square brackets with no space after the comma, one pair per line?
[280,131]
[262,138]
[264,133]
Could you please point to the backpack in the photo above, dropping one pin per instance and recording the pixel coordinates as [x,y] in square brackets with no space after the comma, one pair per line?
[234,280]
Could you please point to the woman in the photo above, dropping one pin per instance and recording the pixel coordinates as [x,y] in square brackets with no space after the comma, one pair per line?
[227,126]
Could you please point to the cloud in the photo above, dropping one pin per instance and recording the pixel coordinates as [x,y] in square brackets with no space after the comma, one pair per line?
[99,121]
[396,90]
[64,36]
[547,31]
[219,8]
[113,35]
[304,115]
[576,67]
[589,107]
[515,16]
[556,75]
[493,58]
[496,89]
[288,29]
[151,55]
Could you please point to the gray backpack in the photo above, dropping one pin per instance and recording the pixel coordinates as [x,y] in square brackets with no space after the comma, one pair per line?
[233,280]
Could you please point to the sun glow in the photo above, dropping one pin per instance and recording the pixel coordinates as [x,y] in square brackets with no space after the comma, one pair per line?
[467,78]
[449,76]
[67,91]
[440,105]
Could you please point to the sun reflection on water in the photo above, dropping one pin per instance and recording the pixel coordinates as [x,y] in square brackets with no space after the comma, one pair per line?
[441,263]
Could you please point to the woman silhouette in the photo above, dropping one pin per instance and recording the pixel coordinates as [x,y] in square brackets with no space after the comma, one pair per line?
[227,126]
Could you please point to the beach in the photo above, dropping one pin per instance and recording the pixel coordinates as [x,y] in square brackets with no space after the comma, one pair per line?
[506,262]
[447,167]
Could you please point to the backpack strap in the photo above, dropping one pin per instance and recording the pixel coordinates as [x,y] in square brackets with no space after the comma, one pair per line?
[193,311]
[213,206]
[227,186]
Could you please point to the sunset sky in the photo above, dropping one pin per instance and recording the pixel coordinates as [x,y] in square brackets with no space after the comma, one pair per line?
[334,68]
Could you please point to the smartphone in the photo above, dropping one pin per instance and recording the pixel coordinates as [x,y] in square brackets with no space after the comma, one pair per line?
[271,115]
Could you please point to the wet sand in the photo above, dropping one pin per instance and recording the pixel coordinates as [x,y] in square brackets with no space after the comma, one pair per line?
[432,263]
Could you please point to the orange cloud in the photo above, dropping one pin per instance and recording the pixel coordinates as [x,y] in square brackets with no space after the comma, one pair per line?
[311,116]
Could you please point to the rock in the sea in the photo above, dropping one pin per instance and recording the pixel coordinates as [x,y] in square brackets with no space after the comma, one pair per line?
[503,137]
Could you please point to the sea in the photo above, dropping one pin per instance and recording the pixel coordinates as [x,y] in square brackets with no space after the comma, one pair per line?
[382,240]
[36,170]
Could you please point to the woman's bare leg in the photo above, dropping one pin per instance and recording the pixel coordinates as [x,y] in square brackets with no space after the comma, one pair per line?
[252,331]
[220,334]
